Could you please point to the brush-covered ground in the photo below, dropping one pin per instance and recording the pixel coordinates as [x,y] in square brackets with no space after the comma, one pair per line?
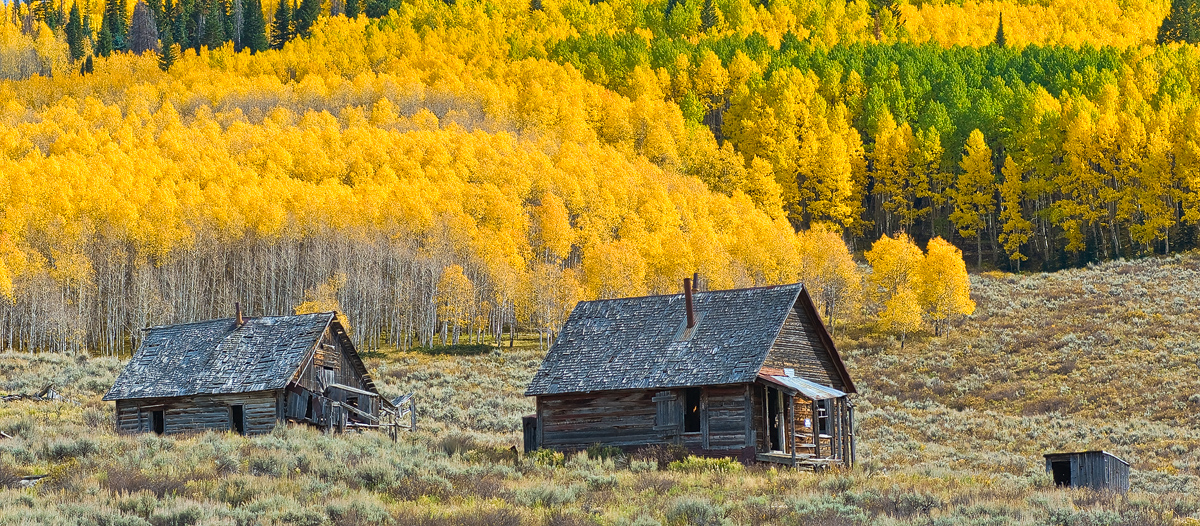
[951,431]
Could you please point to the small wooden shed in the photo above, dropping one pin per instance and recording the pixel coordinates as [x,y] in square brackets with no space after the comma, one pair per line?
[747,373]
[246,375]
[1099,470]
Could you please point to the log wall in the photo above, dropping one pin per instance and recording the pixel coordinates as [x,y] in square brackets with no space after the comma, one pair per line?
[633,419]
[261,410]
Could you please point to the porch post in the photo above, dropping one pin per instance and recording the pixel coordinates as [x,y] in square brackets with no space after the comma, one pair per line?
[791,427]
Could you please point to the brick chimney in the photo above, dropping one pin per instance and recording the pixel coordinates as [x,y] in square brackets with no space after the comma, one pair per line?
[240,320]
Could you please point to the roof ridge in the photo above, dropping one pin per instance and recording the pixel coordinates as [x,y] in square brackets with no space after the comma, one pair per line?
[247,318]
[698,292]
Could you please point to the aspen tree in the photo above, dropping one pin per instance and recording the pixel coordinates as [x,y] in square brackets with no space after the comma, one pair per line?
[974,192]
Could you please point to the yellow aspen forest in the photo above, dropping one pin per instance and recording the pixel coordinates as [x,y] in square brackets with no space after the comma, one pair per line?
[448,191]
[449,172]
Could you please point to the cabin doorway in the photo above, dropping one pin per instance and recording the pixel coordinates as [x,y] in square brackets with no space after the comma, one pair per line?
[156,422]
[775,423]
[1062,472]
[237,419]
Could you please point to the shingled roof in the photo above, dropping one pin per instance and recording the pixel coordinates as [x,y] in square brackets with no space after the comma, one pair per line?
[218,357]
[640,343]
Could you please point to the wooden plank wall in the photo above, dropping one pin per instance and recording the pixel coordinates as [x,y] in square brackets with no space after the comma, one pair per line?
[200,413]
[799,347]
[621,418]
[329,354]
[726,417]
[631,419]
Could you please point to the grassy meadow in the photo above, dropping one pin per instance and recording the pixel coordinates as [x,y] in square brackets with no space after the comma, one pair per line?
[951,431]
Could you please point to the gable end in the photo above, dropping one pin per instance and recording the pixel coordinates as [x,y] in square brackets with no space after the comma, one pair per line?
[804,344]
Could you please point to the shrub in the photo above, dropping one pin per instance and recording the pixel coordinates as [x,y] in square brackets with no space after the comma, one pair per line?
[548,495]
[97,418]
[456,444]
[602,452]
[179,515]
[360,510]
[693,464]
[547,457]
[694,511]
[663,455]
[61,450]
[455,350]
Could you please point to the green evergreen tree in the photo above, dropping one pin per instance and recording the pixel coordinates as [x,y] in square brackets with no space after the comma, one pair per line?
[281,26]
[180,18]
[156,10]
[376,8]
[214,25]
[306,16]
[1000,40]
[74,32]
[254,35]
[167,52]
[114,20]
[86,67]
[104,41]
[708,15]
[1179,24]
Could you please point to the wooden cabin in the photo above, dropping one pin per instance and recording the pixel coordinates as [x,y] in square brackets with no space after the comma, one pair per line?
[748,373]
[1099,470]
[246,375]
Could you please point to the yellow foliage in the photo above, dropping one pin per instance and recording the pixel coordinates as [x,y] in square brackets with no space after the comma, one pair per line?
[944,289]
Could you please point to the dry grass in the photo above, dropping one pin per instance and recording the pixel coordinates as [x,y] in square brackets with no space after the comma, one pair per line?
[951,432]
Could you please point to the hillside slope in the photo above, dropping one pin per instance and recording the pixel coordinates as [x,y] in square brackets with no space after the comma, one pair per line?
[951,431]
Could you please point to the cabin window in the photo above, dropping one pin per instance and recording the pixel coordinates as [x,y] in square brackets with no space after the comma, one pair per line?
[156,422]
[691,411]
[237,419]
[824,407]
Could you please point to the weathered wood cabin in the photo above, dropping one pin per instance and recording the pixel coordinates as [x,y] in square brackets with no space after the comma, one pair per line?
[246,375]
[749,373]
[1099,470]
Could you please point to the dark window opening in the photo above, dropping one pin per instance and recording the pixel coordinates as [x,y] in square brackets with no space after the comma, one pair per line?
[823,417]
[308,411]
[1062,472]
[352,401]
[237,419]
[691,411]
[156,422]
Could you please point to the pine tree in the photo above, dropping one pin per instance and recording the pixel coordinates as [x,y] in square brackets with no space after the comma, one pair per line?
[143,33]
[74,32]
[1000,40]
[708,15]
[254,34]
[1178,25]
[306,16]
[156,10]
[181,19]
[352,8]
[214,25]
[104,41]
[281,26]
[168,53]
[114,20]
